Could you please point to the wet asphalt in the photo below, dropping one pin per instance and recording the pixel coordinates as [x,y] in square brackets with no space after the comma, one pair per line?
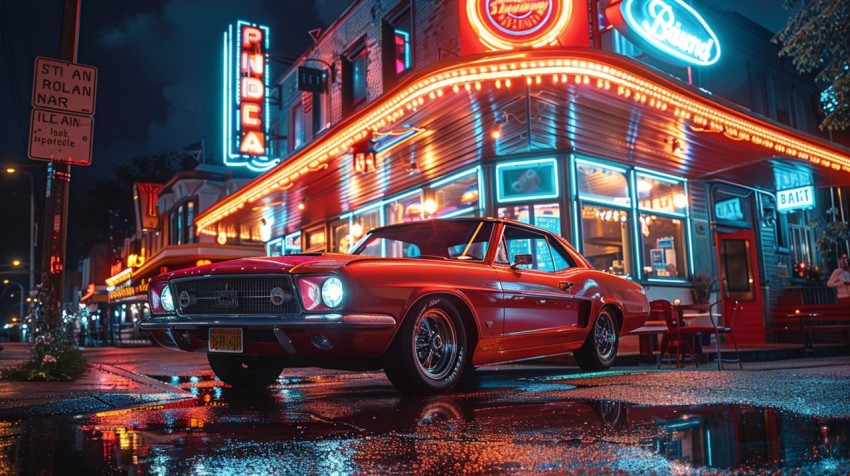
[156,412]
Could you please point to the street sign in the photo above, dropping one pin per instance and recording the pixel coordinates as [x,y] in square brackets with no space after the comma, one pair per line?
[63,86]
[60,137]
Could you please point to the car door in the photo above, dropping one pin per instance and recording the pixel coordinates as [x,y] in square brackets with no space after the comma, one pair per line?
[541,310]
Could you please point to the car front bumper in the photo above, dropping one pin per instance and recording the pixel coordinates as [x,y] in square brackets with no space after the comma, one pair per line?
[313,335]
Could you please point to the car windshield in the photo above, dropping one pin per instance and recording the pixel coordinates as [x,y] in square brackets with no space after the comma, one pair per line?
[445,239]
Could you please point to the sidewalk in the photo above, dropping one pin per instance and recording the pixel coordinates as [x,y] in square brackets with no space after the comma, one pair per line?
[119,377]
[103,387]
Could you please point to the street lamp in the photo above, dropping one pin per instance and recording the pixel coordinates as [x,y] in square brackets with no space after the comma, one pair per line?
[12,170]
[7,283]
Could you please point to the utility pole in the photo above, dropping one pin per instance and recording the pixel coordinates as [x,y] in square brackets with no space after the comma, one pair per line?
[56,197]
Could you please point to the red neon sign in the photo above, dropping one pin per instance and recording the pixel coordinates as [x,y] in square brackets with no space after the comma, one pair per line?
[252,91]
[490,25]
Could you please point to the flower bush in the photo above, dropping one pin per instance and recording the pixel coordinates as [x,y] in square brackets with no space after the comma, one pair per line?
[53,355]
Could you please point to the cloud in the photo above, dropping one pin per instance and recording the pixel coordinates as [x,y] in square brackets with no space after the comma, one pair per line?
[330,10]
[129,29]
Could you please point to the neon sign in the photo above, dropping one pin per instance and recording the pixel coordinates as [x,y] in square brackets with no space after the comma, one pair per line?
[508,24]
[669,26]
[795,198]
[246,103]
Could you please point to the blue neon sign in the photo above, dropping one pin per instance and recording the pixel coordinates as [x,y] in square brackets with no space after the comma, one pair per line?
[669,26]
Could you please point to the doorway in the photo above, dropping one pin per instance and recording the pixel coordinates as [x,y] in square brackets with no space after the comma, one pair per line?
[739,280]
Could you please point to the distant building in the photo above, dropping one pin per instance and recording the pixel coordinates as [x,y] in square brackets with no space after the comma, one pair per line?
[165,240]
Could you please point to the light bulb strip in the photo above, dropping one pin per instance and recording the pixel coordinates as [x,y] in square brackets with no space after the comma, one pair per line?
[590,69]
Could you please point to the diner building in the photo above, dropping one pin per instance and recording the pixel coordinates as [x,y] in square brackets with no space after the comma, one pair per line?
[663,138]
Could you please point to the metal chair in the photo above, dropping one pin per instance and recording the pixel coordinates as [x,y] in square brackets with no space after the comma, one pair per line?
[722,323]
[725,327]
[676,346]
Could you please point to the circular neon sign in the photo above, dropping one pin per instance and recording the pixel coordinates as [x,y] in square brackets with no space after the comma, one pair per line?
[509,24]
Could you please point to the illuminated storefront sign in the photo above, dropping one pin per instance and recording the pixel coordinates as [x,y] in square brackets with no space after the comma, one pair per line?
[246,102]
[526,180]
[729,210]
[491,25]
[795,199]
[669,26]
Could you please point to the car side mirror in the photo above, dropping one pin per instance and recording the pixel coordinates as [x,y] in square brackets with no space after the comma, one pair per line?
[521,260]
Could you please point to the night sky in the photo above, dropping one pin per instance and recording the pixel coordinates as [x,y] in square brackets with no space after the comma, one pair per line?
[159,79]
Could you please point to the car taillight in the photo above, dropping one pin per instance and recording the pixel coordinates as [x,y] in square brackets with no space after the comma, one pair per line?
[321,293]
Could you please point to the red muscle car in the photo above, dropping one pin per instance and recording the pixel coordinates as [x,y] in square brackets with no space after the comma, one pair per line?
[425,301]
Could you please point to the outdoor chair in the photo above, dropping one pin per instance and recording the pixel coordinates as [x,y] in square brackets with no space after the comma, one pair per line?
[723,318]
[722,322]
[676,347]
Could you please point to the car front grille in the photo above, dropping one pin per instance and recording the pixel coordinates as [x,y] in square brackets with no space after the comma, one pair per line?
[249,295]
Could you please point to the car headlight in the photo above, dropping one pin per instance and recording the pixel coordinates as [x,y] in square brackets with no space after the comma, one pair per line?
[166,299]
[321,293]
[332,292]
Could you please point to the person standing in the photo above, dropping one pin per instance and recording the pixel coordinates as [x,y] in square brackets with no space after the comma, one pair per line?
[840,280]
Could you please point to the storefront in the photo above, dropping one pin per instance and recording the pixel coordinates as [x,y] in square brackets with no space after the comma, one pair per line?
[650,177]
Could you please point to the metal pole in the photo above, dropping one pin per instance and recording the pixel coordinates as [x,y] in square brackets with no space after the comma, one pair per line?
[56,193]
[32,232]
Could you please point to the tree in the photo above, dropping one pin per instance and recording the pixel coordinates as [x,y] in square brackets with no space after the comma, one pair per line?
[816,38]
[107,209]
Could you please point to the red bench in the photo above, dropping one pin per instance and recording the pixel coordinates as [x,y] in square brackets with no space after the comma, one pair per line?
[828,323]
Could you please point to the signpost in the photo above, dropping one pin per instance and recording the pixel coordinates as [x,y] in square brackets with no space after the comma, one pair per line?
[61,125]
[64,86]
[60,137]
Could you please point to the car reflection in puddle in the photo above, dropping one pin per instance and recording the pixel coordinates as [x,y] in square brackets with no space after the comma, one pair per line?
[374,429]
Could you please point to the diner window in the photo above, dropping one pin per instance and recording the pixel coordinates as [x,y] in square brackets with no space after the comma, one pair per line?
[545,215]
[606,238]
[602,182]
[341,236]
[663,250]
[403,209]
[355,90]
[365,221]
[182,229]
[802,242]
[454,196]
[546,255]
[663,207]
[396,51]
[284,245]
[298,131]
[314,239]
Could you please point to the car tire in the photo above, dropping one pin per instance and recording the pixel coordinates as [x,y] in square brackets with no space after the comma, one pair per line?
[600,348]
[429,353]
[245,371]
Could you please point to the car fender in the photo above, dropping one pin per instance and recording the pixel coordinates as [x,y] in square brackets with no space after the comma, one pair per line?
[426,293]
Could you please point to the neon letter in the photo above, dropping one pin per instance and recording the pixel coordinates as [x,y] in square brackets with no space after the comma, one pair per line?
[252,143]
[251,115]
[251,36]
[252,88]
[253,64]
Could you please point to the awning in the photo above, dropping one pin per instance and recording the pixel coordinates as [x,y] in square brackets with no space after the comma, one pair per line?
[589,102]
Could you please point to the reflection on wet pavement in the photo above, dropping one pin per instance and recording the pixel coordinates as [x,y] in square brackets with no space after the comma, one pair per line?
[326,425]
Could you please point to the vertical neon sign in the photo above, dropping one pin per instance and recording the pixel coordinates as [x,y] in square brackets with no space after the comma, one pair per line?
[246,101]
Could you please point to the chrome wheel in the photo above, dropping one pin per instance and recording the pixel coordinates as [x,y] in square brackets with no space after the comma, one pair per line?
[605,336]
[600,347]
[435,344]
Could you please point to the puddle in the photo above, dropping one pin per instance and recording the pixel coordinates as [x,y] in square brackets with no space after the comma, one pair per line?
[276,432]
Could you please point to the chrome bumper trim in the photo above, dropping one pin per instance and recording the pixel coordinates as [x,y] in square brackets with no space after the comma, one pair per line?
[348,321]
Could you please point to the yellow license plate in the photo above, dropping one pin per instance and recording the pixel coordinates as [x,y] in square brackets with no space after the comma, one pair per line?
[225,339]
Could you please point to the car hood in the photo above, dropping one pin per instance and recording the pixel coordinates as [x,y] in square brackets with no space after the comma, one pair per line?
[270,264]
